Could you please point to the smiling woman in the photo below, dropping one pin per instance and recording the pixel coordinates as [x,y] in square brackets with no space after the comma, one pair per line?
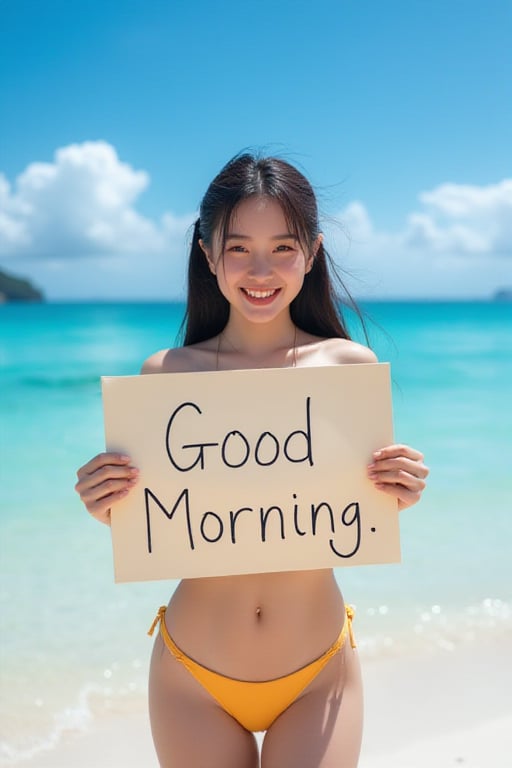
[260,295]
[259,229]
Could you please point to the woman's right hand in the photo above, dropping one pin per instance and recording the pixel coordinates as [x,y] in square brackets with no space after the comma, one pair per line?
[103,481]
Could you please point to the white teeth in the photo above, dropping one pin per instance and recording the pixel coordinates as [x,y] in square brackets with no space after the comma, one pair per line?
[260,294]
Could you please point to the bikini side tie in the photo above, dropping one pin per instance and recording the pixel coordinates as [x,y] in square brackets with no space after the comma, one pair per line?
[158,618]
[350,611]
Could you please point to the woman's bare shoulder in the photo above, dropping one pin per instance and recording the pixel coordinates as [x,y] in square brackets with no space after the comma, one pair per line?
[345,351]
[197,357]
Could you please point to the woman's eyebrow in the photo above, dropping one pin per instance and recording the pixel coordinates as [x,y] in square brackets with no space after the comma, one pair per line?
[236,236]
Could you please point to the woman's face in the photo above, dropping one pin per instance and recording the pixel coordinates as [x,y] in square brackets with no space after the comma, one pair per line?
[262,267]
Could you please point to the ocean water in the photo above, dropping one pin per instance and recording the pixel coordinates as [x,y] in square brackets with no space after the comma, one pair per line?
[73,645]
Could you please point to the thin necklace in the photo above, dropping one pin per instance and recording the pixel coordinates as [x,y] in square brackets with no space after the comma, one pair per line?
[223,336]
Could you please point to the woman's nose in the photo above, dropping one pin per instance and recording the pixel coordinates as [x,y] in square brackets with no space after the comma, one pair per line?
[260,265]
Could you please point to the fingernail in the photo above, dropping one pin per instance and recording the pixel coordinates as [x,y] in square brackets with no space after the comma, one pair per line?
[123,457]
[377,454]
[372,475]
[371,466]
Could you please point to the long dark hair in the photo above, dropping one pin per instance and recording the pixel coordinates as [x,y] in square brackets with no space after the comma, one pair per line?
[316,309]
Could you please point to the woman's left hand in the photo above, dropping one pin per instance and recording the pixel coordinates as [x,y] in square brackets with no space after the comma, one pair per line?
[399,471]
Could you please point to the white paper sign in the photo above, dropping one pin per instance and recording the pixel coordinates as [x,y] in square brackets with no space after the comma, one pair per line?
[251,471]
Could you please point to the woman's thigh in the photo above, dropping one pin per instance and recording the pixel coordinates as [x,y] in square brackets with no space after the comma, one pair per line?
[323,727]
[190,729]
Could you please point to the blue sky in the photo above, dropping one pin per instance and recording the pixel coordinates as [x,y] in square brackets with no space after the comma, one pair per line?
[115,115]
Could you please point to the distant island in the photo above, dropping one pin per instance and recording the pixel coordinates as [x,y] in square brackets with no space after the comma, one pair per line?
[14,288]
[503,294]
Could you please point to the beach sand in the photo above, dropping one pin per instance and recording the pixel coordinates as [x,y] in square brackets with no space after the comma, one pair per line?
[441,710]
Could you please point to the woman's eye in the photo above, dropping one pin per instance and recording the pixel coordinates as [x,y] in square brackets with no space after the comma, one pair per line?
[283,248]
[236,249]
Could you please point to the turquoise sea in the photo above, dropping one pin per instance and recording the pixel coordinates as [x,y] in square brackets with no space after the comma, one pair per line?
[74,645]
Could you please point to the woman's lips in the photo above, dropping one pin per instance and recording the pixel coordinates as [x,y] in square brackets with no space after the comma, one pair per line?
[259,295]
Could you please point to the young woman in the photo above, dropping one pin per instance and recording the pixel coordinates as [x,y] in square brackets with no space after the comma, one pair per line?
[267,652]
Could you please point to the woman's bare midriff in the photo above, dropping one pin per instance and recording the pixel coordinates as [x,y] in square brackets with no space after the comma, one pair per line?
[259,626]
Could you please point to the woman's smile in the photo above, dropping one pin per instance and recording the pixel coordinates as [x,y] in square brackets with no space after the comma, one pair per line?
[258,296]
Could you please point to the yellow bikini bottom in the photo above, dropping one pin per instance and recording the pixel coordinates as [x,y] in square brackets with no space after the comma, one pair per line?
[254,704]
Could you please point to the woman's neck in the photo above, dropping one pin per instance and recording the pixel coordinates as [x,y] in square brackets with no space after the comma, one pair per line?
[259,339]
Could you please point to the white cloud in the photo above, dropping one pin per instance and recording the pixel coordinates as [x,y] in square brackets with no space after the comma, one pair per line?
[73,226]
[357,222]
[453,245]
[462,219]
[82,204]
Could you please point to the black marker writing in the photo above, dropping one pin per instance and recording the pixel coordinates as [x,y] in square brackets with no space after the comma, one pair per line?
[349,521]
[234,450]
[341,532]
